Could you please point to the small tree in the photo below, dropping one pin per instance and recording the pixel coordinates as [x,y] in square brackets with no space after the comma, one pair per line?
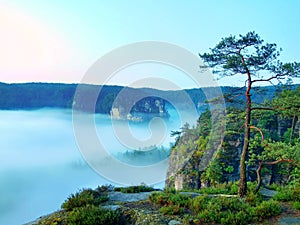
[250,56]
[275,153]
[288,106]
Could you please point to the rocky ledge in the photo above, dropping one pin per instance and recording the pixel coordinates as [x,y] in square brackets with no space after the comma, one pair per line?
[136,209]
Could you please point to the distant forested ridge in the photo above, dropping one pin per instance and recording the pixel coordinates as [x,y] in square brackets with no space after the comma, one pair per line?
[58,95]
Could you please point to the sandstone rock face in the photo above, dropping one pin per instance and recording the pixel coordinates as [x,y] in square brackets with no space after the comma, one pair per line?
[145,108]
[182,174]
[185,169]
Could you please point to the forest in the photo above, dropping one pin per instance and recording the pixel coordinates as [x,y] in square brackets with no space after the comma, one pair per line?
[59,95]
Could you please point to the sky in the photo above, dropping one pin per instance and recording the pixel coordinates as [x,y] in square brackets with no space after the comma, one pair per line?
[58,41]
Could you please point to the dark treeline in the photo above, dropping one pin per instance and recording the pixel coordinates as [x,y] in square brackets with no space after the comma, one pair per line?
[58,95]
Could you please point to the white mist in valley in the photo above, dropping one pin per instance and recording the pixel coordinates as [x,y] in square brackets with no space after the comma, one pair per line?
[41,165]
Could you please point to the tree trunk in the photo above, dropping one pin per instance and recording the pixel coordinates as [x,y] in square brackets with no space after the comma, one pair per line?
[292,128]
[258,177]
[243,179]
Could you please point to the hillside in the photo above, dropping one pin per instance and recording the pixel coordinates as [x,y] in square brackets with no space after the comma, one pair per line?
[58,95]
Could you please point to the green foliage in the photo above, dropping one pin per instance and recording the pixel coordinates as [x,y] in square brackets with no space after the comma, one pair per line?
[171,203]
[274,186]
[248,52]
[134,189]
[295,175]
[83,198]
[223,188]
[229,169]
[248,55]
[199,203]
[226,210]
[240,218]
[267,209]
[59,218]
[213,174]
[91,214]
[144,156]
[192,144]
[280,150]
[287,103]
[205,209]
[105,188]
[288,194]
[170,190]
[217,204]
[253,198]
[207,216]
[171,210]
[296,205]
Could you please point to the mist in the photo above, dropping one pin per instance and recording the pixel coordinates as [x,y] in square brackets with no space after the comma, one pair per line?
[41,163]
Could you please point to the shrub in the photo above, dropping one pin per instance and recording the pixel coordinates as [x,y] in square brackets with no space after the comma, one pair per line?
[134,189]
[217,204]
[296,205]
[171,210]
[224,188]
[213,190]
[172,204]
[199,203]
[288,194]
[105,188]
[233,188]
[274,186]
[83,198]
[254,198]
[232,210]
[214,206]
[91,214]
[228,219]
[225,218]
[267,209]
[217,210]
[165,199]
[232,204]
[179,199]
[158,198]
[207,216]
[170,190]
[58,218]
[240,218]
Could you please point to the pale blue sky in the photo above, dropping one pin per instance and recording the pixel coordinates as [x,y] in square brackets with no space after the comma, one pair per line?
[57,41]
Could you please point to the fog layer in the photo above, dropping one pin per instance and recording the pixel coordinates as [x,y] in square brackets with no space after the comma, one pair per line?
[41,163]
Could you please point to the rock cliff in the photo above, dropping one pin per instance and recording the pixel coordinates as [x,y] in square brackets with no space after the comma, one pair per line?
[196,161]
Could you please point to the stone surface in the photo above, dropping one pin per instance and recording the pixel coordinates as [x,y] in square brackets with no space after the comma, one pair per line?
[132,197]
[111,207]
[268,193]
[174,222]
[289,221]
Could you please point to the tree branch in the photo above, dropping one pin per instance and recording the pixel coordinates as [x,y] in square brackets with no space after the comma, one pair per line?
[262,108]
[262,164]
[268,108]
[259,130]
[277,76]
